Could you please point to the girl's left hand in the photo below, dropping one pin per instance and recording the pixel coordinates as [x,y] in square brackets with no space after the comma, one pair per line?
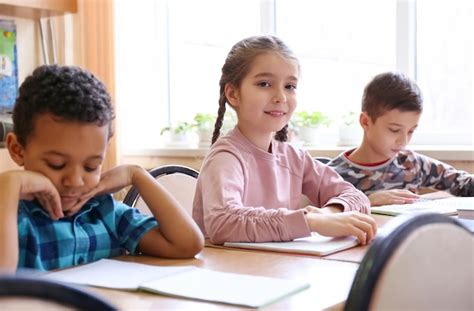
[110,181]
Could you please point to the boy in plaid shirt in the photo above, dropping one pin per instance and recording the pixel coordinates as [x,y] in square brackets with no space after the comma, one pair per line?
[59,207]
[381,167]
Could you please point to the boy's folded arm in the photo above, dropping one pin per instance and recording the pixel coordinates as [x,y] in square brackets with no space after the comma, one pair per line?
[9,197]
[177,236]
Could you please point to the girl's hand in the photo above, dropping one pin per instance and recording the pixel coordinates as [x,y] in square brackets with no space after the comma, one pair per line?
[395,196]
[110,181]
[362,226]
[34,185]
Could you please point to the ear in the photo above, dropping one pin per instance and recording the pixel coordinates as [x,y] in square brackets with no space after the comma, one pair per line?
[232,95]
[364,120]
[15,149]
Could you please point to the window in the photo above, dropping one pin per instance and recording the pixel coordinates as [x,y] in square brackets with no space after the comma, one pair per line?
[170,53]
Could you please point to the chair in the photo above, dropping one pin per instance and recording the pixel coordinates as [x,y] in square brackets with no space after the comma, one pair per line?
[28,292]
[324,160]
[417,262]
[179,180]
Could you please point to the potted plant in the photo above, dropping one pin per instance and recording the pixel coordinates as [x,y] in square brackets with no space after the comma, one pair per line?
[179,133]
[349,129]
[307,125]
[204,124]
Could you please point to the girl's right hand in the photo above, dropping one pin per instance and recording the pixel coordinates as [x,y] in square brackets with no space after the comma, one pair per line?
[362,226]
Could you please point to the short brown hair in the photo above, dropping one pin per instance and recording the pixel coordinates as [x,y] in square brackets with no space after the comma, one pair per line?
[388,91]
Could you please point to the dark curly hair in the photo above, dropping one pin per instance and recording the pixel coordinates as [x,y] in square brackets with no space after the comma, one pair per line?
[388,91]
[238,63]
[68,92]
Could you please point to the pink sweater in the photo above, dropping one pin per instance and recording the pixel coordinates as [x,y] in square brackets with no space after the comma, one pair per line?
[246,194]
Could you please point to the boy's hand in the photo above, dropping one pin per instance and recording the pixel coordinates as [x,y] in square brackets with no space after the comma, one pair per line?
[110,181]
[362,226]
[34,185]
[395,196]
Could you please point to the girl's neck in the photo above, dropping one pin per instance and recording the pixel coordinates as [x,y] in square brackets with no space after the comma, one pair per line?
[261,140]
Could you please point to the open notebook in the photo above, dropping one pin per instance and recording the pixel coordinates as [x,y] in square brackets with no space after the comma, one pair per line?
[185,281]
[314,245]
[447,206]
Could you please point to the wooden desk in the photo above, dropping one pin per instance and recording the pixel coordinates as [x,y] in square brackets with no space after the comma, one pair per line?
[356,254]
[330,277]
[330,280]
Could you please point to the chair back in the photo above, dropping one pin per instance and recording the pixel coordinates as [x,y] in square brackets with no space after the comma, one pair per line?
[33,293]
[324,160]
[178,180]
[418,262]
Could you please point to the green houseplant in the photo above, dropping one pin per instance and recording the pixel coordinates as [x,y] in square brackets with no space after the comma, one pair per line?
[204,124]
[350,132]
[179,133]
[307,124]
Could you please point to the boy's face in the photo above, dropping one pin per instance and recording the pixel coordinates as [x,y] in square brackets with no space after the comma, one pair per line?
[70,154]
[390,132]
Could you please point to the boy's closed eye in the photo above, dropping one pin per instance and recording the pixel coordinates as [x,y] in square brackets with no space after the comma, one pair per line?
[91,169]
[56,167]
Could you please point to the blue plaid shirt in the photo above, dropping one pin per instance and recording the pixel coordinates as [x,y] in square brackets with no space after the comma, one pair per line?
[102,228]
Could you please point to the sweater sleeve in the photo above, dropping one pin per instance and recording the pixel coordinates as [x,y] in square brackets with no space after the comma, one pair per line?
[441,176]
[324,186]
[223,181]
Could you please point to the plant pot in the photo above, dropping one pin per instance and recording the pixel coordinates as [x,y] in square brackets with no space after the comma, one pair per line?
[181,139]
[349,135]
[204,137]
[309,135]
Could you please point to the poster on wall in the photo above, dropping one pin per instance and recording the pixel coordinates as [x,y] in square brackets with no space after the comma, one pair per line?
[8,66]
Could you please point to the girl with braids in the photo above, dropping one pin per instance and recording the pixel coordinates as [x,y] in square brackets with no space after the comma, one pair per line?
[251,181]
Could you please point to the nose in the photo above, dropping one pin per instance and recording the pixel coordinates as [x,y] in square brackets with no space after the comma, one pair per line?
[279,96]
[403,139]
[73,178]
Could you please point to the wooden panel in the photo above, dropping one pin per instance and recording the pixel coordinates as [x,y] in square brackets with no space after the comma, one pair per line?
[37,8]
[96,33]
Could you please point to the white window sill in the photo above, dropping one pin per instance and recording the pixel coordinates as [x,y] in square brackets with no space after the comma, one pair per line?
[442,153]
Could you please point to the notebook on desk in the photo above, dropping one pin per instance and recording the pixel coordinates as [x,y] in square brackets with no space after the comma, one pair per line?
[314,245]
[183,281]
[447,206]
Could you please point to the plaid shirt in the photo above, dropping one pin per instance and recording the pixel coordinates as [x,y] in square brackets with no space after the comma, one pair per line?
[102,228]
[408,170]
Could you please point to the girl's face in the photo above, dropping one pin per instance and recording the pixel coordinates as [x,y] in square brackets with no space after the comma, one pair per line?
[266,98]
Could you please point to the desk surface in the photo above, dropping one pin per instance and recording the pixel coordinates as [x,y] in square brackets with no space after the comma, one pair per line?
[330,280]
[330,277]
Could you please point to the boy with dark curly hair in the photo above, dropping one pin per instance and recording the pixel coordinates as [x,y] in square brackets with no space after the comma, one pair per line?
[382,167]
[58,212]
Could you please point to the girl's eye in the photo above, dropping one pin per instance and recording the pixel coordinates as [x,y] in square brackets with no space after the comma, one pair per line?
[56,167]
[291,86]
[263,84]
[394,131]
